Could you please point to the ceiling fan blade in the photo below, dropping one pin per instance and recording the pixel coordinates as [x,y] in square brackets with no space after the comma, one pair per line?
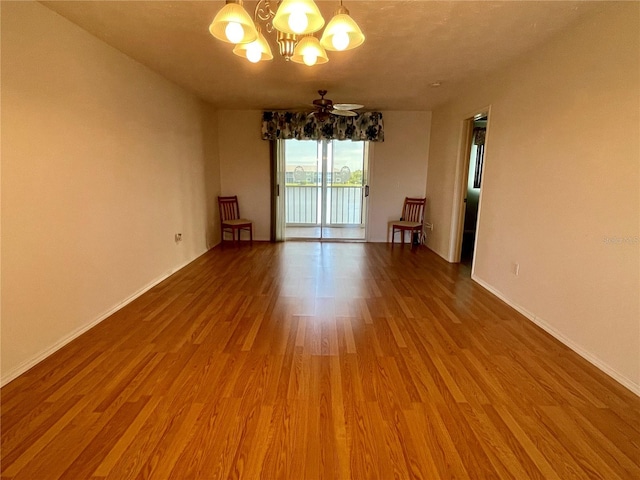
[344,113]
[347,106]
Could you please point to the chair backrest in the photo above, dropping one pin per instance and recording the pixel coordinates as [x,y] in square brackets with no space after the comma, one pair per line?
[229,209]
[413,209]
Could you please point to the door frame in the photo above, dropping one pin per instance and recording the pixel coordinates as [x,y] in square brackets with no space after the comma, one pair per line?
[460,190]
[279,188]
[366,172]
[366,183]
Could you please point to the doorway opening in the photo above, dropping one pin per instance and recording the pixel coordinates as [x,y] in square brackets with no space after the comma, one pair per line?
[474,184]
[325,193]
[470,186]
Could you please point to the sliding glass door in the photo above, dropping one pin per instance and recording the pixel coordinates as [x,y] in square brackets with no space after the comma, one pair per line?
[326,189]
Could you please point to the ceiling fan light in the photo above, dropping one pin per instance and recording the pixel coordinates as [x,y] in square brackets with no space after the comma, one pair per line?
[293,14]
[255,51]
[309,51]
[233,24]
[339,28]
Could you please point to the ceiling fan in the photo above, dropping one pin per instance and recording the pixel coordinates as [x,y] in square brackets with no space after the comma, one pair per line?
[325,107]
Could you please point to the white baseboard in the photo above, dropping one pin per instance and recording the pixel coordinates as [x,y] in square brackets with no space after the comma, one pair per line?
[617,376]
[29,363]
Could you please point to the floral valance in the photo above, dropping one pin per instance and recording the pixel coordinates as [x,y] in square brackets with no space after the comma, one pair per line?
[298,125]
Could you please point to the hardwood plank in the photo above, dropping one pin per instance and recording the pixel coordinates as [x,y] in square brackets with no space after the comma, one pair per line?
[305,361]
[92,455]
[528,446]
[16,452]
[441,444]
[124,441]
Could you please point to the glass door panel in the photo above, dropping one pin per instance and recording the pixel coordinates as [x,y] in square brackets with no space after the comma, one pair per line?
[345,202]
[303,188]
[325,189]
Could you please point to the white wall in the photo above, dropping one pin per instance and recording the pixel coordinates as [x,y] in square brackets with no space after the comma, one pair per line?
[561,180]
[103,162]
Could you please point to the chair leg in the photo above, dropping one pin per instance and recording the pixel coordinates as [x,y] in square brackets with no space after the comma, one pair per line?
[393,235]
[251,234]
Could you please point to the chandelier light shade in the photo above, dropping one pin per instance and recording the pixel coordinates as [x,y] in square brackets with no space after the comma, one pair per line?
[292,23]
[255,51]
[342,32]
[298,17]
[233,24]
[310,52]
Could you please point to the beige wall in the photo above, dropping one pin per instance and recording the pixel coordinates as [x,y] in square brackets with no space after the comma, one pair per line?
[211,157]
[245,167]
[103,162]
[561,181]
[398,167]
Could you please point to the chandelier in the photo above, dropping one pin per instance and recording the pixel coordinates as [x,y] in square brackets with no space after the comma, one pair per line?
[294,23]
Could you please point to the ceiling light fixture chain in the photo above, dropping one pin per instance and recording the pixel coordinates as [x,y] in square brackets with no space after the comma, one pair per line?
[294,22]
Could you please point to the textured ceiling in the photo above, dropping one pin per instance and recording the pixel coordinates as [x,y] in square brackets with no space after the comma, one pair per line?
[409,45]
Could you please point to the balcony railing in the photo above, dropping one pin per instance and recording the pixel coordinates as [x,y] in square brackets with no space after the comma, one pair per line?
[344,205]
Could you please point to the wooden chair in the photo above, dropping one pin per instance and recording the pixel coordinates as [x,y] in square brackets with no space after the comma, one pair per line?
[230,220]
[412,219]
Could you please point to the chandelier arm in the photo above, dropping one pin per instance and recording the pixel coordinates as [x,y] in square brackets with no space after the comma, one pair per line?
[265,12]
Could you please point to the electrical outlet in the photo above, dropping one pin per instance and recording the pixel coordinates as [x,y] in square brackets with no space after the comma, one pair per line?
[516,269]
[428,226]
[178,237]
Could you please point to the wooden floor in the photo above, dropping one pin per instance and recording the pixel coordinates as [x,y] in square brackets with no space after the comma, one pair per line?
[306,360]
